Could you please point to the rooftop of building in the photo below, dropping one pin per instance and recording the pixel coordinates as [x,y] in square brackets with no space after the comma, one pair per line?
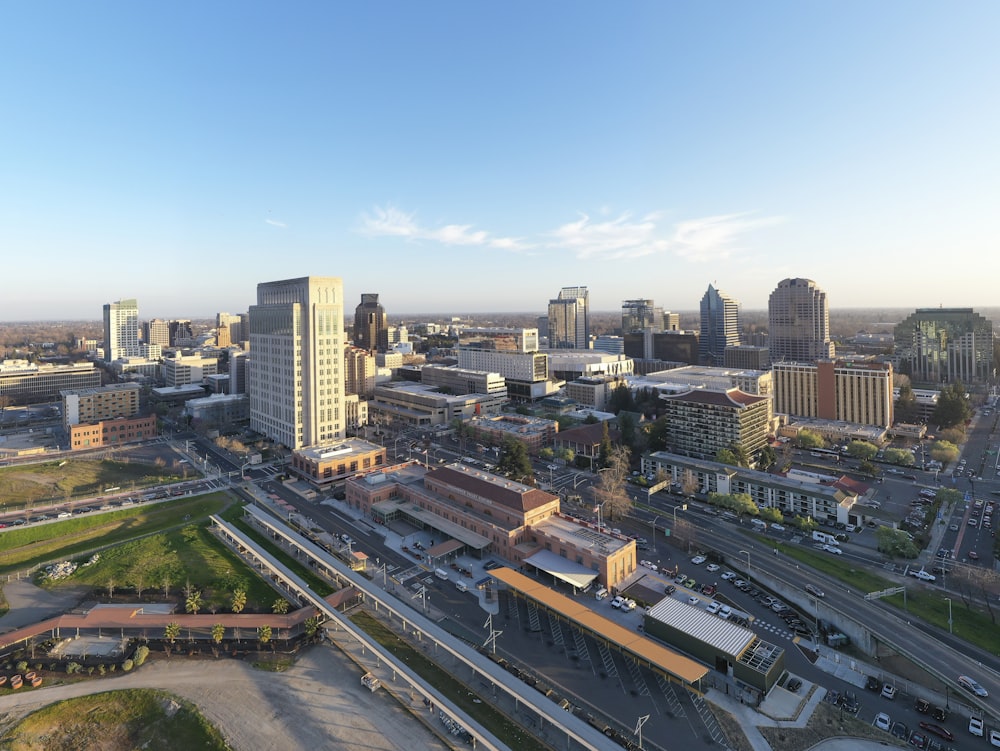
[343,448]
[588,434]
[582,535]
[495,488]
[729,397]
[521,424]
[92,390]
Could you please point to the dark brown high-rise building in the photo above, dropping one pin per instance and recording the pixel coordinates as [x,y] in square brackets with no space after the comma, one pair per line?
[371,330]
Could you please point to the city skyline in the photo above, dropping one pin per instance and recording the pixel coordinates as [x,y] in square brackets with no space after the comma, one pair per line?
[478,158]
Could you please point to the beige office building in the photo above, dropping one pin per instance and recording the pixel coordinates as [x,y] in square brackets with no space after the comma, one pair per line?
[854,392]
[296,369]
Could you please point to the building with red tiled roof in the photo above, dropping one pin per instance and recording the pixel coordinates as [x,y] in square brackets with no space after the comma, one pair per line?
[701,422]
[490,514]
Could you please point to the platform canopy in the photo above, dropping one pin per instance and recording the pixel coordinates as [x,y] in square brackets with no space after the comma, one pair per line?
[562,568]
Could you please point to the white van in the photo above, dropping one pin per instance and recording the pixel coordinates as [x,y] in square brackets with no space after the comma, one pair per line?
[824,537]
[601,593]
[440,573]
[461,587]
[758,523]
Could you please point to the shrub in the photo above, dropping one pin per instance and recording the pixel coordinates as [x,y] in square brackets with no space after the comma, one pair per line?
[141,653]
[127,665]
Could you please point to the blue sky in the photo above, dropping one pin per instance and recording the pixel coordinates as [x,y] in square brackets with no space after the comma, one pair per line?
[468,157]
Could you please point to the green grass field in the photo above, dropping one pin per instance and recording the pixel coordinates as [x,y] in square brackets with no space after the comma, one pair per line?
[115,721]
[24,487]
[22,547]
[169,561]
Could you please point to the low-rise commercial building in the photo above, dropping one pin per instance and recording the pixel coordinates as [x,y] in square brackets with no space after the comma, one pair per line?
[104,433]
[534,432]
[419,405]
[101,403]
[325,465]
[24,382]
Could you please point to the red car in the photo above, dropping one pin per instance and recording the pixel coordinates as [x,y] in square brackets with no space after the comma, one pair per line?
[939,731]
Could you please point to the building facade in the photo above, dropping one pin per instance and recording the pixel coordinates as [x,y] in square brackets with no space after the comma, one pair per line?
[640,314]
[854,392]
[23,382]
[463,381]
[666,346]
[371,328]
[747,357]
[498,339]
[569,319]
[121,330]
[325,465]
[720,326]
[535,433]
[700,423]
[360,370]
[184,369]
[296,377]
[101,403]
[104,433]
[945,345]
[799,322]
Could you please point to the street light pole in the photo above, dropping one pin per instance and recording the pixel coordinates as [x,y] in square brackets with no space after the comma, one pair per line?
[653,538]
[747,554]
[950,630]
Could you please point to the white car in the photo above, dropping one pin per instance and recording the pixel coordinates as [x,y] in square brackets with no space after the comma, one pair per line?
[698,560]
[972,686]
[923,575]
[976,726]
[833,549]
[713,607]
[727,576]
[888,691]
[995,738]
[725,611]
[617,602]
[693,601]
[712,568]
[628,605]
[882,721]
[815,591]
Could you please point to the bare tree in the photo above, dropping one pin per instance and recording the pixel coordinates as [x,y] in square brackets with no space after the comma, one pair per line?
[612,492]
[689,483]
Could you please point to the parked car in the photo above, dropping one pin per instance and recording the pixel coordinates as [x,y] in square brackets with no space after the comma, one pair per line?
[712,568]
[616,603]
[976,726]
[888,691]
[939,731]
[794,684]
[727,576]
[849,701]
[899,730]
[670,589]
[698,560]
[882,721]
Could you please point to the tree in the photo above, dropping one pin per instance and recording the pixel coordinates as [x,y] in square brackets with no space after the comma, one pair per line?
[772,514]
[611,491]
[899,457]
[862,450]
[809,439]
[621,399]
[954,435]
[604,453]
[218,633]
[264,634]
[280,606]
[944,451]
[567,455]
[239,601]
[170,634]
[193,603]
[766,458]
[726,456]
[626,424]
[953,407]
[656,435]
[311,626]
[906,409]
[515,463]
[895,543]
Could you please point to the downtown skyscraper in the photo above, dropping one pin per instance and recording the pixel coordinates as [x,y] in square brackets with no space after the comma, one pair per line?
[798,317]
[569,319]
[296,376]
[720,326]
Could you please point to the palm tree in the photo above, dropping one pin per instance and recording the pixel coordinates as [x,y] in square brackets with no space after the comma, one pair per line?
[170,633]
[239,600]
[264,634]
[280,606]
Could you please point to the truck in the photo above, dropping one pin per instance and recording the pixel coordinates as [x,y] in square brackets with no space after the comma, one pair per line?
[823,537]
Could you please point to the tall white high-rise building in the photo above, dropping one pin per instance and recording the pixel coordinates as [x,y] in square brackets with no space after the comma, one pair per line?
[295,378]
[121,330]
[569,319]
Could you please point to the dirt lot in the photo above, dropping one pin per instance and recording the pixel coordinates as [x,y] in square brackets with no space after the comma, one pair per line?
[317,703]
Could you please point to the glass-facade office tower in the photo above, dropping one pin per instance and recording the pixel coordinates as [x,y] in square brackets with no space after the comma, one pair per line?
[371,330]
[945,345]
[799,322]
[720,326]
[640,314]
[569,319]
[296,375]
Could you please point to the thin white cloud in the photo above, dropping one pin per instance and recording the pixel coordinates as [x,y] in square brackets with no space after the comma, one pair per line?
[388,221]
[276,223]
[715,238]
[610,238]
